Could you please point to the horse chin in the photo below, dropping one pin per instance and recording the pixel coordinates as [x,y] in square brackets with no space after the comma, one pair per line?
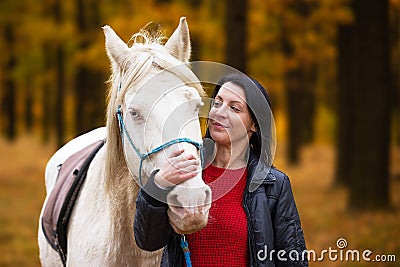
[187,221]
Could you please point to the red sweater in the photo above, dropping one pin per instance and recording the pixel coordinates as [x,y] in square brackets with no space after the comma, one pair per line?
[223,242]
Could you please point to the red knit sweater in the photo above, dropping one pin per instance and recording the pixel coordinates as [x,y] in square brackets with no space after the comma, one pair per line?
[223,242]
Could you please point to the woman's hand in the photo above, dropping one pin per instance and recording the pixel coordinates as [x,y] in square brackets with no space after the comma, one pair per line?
[178,168]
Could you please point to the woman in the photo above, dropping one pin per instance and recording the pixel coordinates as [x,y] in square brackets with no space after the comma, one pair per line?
[253,219]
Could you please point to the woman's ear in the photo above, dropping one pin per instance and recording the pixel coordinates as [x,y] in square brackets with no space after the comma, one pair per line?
[253,127]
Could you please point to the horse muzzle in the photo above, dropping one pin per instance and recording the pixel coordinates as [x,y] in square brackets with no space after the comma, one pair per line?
[188,208]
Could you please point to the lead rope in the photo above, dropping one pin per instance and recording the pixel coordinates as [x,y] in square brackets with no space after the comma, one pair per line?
[186,251]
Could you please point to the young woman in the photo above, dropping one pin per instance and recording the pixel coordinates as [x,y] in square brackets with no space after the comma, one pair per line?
[253,219]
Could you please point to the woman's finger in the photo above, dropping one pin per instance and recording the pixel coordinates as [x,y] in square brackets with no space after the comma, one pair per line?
[187,176]
[191,168]
[176,153]
[186,163]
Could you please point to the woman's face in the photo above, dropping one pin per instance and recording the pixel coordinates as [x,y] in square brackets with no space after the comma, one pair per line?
[229,118]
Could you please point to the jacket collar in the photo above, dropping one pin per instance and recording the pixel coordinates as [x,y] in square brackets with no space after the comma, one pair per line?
[258,172]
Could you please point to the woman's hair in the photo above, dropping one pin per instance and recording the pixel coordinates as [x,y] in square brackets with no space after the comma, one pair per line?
[259,104]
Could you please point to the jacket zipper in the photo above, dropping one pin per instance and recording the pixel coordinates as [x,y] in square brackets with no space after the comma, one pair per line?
[249,230]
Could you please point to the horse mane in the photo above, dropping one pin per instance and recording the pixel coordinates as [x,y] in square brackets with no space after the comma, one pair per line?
[146,53]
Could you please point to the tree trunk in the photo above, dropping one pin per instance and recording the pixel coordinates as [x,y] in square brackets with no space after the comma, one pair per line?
[299,93]
[195,40]
[28,107]
[47,113]
[345,103]
[195,43]
[236,34]
[8,96]
[88,83]
[395,47]
[46,97]
[294,95]
[59,103]
[369,186]
[309,105]
[292,79]
[90,105]
[60,79]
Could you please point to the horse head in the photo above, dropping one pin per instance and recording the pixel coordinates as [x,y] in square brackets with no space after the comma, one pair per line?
[154,101]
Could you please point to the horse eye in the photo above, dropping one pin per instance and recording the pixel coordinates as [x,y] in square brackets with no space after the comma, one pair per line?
[134,113]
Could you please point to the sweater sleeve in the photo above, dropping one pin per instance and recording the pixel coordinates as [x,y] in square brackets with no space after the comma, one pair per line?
[287,228]
[152,229]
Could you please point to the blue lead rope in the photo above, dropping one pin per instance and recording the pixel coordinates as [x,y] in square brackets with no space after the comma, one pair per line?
[186,251]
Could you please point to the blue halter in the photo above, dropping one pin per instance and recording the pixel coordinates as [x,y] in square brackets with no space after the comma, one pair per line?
[143,156]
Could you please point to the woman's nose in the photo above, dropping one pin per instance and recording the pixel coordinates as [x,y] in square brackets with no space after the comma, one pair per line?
[221,111]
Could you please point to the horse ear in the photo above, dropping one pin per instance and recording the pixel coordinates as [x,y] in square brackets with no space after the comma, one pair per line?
[117,49]
[179,42]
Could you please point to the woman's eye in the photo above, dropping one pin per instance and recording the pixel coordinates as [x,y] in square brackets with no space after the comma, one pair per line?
[235,109]
[217,104]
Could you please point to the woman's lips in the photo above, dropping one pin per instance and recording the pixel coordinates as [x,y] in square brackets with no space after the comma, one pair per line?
[218,125]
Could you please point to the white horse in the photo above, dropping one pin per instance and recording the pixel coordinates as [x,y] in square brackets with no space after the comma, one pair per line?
[100,231]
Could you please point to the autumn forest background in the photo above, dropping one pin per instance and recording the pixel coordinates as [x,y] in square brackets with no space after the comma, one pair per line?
[332,68]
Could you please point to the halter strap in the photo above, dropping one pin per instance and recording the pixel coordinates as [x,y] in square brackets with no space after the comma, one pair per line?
[143,156]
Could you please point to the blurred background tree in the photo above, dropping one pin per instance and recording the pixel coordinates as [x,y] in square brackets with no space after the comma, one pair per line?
[371,105]
[235,25]
[332,69]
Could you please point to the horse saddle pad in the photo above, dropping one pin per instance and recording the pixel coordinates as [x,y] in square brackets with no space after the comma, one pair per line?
[60,203]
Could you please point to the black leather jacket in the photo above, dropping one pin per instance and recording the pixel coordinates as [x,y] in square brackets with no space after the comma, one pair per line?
[273,222]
